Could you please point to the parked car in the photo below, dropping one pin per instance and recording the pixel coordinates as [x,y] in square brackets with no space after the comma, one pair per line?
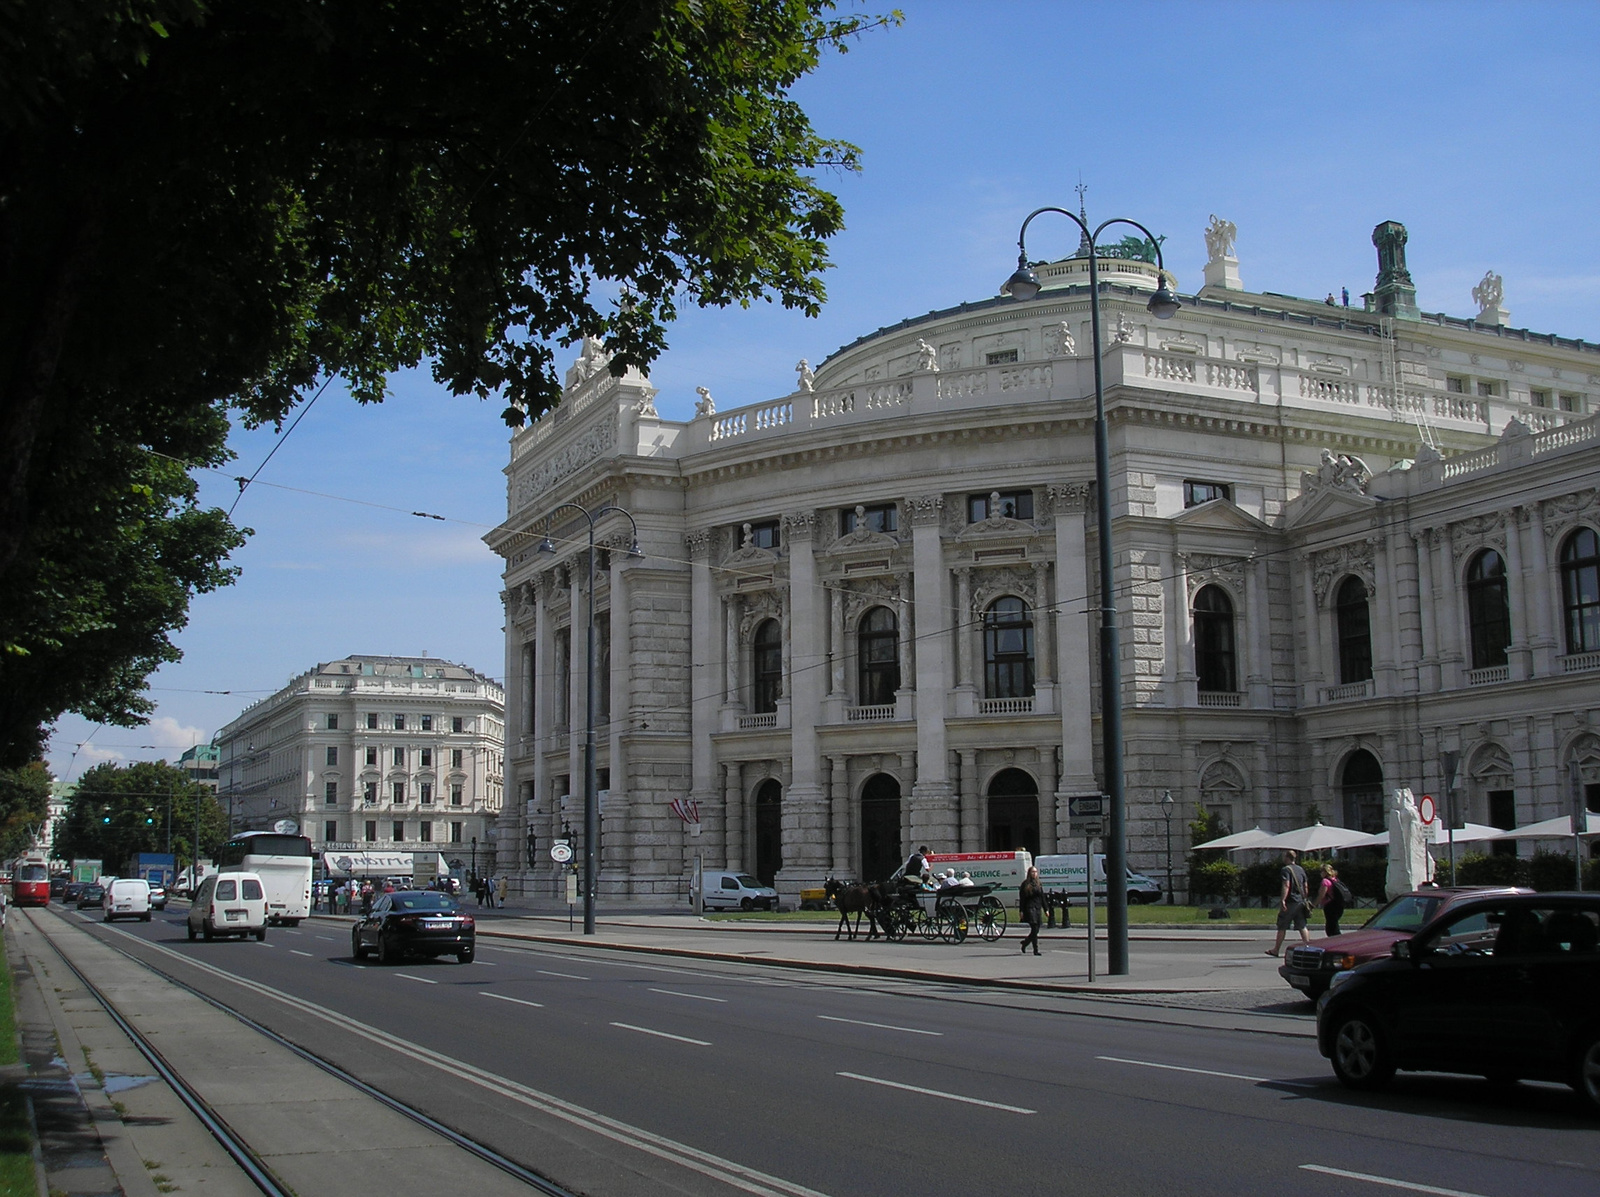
[727,891]
[1312,969]
[58,885]
[72,890]
[91,896]
[127,898]
[229,904]
[421,922]
[158,897]
[1501,987]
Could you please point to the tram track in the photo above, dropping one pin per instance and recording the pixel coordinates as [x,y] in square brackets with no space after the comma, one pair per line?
[228,1137]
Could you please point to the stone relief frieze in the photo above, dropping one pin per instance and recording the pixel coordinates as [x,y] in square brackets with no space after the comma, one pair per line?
[697,544]
[1564,511]
[1205,568]
[862,594]
[1258,354]
[1491,763]
[1329,565]
[924,509]
[586,448]
[1478,531]
[998,581]
[758,608]
[799,525]
[1068,498]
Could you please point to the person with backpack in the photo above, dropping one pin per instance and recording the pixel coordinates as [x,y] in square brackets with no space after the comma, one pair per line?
[1294,901]
[1332,898]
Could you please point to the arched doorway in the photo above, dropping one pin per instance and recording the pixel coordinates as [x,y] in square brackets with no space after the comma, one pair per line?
[769,831]
[1361,783]
[880,827]
[1013,812]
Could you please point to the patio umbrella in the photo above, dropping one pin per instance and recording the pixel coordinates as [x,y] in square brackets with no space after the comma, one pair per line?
[1559,828]
[1468,834]
[1239,839]
[1313,838]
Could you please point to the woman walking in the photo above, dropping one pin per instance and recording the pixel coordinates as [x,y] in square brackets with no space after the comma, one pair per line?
[1030,899]
[1332,898]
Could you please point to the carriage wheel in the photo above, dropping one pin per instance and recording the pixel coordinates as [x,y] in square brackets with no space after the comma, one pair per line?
[925,926]
[894,925]
[991,918]
[953,925]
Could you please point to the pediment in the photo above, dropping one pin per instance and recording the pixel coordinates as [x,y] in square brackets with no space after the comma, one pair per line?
[999,527]
[1221,514]
[751,557]
[1324,504]
[863,541]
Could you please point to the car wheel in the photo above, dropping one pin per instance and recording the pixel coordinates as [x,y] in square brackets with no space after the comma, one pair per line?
[465,956]
[145,917]
[746,904]
[1586,1070]
[193,934]
[357,949]
[261,934]
[386,954]
[1361,1056]
[207,932]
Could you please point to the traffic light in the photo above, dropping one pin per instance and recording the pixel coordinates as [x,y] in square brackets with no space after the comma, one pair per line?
[105,818]
[149,820]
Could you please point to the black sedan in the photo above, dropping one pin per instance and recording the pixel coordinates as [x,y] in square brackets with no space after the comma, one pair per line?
[415,922]
[1499,987]
[91,897]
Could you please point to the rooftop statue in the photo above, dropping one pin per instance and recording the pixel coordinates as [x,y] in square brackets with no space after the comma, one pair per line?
[927,357]
[1343,471]
[705,405]
[1069,344]
[1220,235]
[808,378]
[1490,292]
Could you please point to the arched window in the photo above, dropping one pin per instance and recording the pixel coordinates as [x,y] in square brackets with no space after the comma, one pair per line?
[1013,812]
[1008,649]
[878,658]
[1214,660]
[768,668]
[1488,615]
[1355,631]
[1361,782]
[769,831]
[1580,590]
[880,827]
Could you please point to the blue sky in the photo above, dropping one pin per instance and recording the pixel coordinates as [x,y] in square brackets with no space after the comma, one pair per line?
[1306,124]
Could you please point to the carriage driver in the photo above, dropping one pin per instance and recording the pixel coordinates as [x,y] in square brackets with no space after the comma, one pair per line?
[916,867]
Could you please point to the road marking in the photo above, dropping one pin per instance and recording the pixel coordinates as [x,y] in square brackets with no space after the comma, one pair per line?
[298,952]
[268,945]
[628,1026]
[882,1026]
[705,1163]
[1231,1076]
[329,938]
[569,976]
[971,1101]
[409,977]
[699,997]
[1388,1181]
[500,997]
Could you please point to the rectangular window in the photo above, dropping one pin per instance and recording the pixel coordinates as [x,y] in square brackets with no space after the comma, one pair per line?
[1001,504]
[399,758]
[1571,402]
[399,830]
[1539,398]
[371,794]
[427,723]
[456,723]
[455,758]
[333,723]
[397,791]
[602,667]
[399,723]
[1196,493]
[1000,357]
[330,793]
[1487,390]
[455,795]
[372,831]
[425,794]
[1503,814]
[879,517]
[1456,386]
[333,756]
[330,831]
[425,831]
[372,720]
[602,779]
[764,535]
[455,832]
[372,757]
[427,758]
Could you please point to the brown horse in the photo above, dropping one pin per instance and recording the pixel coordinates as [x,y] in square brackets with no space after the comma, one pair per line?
[856,900]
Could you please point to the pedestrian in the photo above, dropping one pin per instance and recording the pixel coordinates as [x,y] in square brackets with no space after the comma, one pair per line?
[1294,903]
[1030,900]
[479,888]
[500,892]
[366,898]
[1332,898]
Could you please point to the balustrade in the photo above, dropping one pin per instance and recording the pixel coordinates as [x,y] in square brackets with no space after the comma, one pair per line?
[1347,691]
[873,714]
[1006,706]
[1210,698]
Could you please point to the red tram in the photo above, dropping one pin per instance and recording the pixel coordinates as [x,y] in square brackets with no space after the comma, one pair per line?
[30,884]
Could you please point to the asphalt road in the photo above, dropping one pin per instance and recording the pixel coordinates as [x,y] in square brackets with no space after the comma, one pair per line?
[616,1075]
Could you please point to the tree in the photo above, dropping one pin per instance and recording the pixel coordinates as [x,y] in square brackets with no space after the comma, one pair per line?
[210,209]
[118,810]
[24,806]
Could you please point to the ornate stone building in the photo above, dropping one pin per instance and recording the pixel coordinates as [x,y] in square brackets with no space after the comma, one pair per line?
[1346,540]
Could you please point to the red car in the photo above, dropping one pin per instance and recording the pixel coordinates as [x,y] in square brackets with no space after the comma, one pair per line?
[1312,969]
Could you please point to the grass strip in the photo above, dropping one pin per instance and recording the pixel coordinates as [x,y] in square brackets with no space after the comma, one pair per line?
[16,1132]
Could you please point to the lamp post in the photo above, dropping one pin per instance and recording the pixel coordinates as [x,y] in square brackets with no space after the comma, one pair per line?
[473,874]
[1163,305]
[1166,813]
[591,809]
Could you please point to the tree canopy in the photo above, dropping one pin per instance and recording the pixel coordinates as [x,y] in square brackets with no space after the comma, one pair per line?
[209,208]
[24,806]
[118,810]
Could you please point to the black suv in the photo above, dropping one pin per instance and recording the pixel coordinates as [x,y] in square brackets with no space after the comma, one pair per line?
[1502,987]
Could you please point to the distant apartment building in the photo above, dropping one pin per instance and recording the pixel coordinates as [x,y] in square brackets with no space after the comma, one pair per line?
[402,753]
[200,763]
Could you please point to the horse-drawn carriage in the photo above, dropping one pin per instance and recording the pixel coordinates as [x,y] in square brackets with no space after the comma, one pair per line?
[950,913]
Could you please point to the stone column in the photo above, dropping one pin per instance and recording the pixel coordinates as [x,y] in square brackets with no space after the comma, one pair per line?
[626,818]
[733,812]
[1043,621]
[1047,800]
[806,851]
[1074,650]
[1518,653]
[932,805]
[1383,613]
[836,678]
[542,689]
[971,802]
[1260,623]
[843,824]
[1427,603]
[577,685]
[706,664]
[908,643]
[1183,646]
[731,612]
[1544,586]
[1451,651]
[964,630]
[1316,651]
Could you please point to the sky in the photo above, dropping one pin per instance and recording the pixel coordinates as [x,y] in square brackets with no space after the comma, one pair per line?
[1305,124]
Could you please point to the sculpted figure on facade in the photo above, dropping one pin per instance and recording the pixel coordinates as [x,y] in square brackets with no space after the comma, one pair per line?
[1220,235]
[1409,865]
[1490,292]
[808,378]
[705,405]
[927,358]
[1068,343]
[646,406]
[1341,471]
[1124,331]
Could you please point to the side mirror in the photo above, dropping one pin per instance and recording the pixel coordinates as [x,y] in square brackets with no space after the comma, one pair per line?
[1400,949]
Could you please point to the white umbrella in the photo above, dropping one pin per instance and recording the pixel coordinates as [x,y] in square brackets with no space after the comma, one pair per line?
[1468,834]
[1239,839]
[1559,828]
[1310,839]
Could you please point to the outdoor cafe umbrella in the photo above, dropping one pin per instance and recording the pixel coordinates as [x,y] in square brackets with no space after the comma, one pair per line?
[1559,828]
[1437,834]
[1314,838]
[1239,839]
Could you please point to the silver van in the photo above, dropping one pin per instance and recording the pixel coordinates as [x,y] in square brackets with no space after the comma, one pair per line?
[229,904]
[126,898]
[726,890]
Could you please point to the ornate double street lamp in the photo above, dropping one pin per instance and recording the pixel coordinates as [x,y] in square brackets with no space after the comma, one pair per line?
[1163,305]
[591,808]
[1166,813]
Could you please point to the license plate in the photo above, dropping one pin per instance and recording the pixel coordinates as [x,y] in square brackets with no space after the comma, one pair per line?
[436,924]
[236,914]
[1299,979]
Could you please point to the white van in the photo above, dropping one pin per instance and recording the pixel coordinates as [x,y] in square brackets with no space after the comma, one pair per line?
[229,904]
[126,898]
[1064,875]
[737,891]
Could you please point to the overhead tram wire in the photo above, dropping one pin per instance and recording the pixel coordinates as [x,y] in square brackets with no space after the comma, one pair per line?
[244,483]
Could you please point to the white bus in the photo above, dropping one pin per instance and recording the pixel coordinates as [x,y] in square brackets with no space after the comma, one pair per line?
[283,863]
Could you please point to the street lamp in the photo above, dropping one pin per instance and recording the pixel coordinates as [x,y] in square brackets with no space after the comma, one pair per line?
[473,874]
[1163,305]
[591,809]
[1166,813]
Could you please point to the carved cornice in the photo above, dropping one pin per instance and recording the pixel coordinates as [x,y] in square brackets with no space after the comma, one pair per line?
[996,582]
[1202,569]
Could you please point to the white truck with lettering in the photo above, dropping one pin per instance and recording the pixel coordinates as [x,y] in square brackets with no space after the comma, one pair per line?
[1065,875]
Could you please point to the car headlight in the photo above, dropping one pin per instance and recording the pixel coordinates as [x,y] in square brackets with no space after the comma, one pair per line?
[1339,978]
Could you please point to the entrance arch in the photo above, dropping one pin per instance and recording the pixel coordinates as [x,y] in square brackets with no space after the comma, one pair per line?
[880,827]
[1361,781]
[1013,812]
[769,831]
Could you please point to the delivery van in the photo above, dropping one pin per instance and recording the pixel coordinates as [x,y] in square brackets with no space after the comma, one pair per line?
[1003,870]
[229,904]
[725,890]
[126,898]
[1065,875]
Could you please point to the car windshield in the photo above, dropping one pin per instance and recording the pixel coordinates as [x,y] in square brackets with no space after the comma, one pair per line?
[422,900]
[1406,913]
[749,882]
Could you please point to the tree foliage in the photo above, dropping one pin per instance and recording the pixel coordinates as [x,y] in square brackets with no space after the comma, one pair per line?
[119,810]
[207,207]
[24,806]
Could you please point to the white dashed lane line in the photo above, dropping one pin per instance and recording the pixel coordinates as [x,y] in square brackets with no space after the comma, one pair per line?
[500,997]
[882,1026]
[298,952]
[699,997]
[1227,1076]
[568,976]
[971,1101]
[628,1026]
[1388,1182]
[409,977]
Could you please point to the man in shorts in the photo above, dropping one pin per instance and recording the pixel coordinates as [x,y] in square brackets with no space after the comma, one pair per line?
[1292,903]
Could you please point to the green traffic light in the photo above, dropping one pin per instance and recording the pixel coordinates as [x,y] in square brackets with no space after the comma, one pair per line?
[106,819]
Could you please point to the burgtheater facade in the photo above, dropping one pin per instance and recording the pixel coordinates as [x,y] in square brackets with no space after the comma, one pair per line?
[1347,540]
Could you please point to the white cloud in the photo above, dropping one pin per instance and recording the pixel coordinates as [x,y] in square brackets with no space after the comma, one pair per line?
[168,734]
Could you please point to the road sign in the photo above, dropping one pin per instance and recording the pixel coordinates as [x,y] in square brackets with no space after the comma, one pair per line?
[1086,814]
[1428,809]
[561,851]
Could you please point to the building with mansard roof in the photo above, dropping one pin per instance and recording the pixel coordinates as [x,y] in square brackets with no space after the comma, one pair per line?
[1346,540]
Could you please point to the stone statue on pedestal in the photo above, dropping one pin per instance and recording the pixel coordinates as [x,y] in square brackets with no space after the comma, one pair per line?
[1409,864]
